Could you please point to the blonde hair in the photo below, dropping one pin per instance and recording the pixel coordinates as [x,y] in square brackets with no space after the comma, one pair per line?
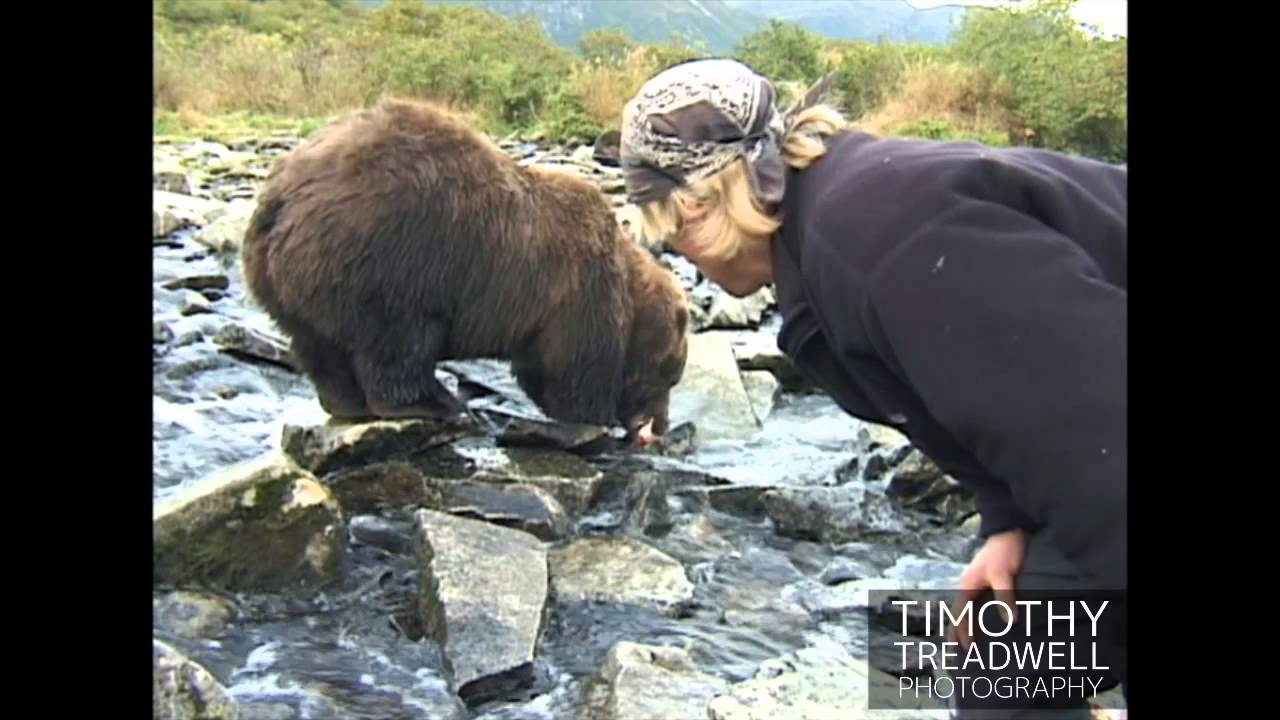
[734,215]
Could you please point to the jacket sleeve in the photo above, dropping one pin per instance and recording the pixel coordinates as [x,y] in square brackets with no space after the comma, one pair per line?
[999,512]
[995,503]
[1018,346]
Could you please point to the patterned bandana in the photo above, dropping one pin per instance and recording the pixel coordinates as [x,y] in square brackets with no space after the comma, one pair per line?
[693,119]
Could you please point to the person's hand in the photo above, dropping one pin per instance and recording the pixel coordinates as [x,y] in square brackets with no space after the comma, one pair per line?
[994,568]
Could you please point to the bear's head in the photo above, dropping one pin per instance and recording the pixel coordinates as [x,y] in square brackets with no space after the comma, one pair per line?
[657,351]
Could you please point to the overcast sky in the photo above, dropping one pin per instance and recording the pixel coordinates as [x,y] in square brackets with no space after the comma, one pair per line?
[1111,16]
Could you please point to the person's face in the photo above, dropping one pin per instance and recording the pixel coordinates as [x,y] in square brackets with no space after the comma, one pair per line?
[740,276]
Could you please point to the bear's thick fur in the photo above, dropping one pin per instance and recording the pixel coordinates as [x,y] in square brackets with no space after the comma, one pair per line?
[398,236]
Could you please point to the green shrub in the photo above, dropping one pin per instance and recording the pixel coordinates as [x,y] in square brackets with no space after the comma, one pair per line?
[566,120]
[1026,76]
[782,52]
[938,129]
[1070,88]
[868,74]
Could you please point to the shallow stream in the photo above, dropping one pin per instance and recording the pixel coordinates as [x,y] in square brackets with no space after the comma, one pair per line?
[351,650]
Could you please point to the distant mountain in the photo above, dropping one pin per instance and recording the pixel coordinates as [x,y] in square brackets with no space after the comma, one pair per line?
[894,20]
[711,22]
[720,24]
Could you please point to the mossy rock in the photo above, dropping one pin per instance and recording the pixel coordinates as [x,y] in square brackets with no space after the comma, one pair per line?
[262,525]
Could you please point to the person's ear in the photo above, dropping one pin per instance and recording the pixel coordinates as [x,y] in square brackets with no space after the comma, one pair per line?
[690,209]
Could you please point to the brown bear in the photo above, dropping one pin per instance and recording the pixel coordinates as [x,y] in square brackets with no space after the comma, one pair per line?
[398,236]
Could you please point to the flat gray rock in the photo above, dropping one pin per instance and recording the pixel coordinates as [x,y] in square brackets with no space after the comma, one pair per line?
[711,394]
[481,589]
[819,682]
[338,445]
[618,570]
[834,514]
[515,505]
[571,480]
[254,345]
[651,682]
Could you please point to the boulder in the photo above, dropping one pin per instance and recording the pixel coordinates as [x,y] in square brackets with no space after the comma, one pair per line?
[648,682]
[620,570]
[337,445]
[482,590]
[184,690]
[261,525]
[711,394]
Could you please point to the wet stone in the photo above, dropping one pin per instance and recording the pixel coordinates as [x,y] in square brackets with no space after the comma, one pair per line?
[917,469]
[379,532]
[481,594]
[322,449]
[192,614]
[745,501]
[260,525]
[170,176]
[819,681]
[845,569]
[873,436]
[160,333]
[382,486]
[184,690]
[250,344]
[658,471]
[763,389]
[877,466]
[760,352]
[646,510]
[568,478]
[199,282]
[521,432]
[640,681]
[620,570]
[731,313]
[513,505]
[834,514]
[919,484]
[193,303]
[711,393]
[926,572]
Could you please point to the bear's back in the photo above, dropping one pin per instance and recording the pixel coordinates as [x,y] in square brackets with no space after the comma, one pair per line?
[400,143]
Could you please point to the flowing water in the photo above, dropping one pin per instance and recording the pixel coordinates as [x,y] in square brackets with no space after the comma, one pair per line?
[353,650]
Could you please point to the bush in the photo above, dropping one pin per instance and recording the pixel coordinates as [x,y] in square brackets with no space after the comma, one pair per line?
[947,97]
[938,129]
[782,52]
[1013,76]
[1071,89]
[567,120]
[868,74]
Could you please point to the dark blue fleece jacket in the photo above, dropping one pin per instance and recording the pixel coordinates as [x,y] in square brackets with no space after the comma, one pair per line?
[976,299]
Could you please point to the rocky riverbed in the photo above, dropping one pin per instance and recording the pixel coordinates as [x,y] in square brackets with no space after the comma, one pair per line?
[504,567]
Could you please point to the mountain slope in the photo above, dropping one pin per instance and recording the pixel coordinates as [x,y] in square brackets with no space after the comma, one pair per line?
[894,20]
[719,24]
[711,22]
